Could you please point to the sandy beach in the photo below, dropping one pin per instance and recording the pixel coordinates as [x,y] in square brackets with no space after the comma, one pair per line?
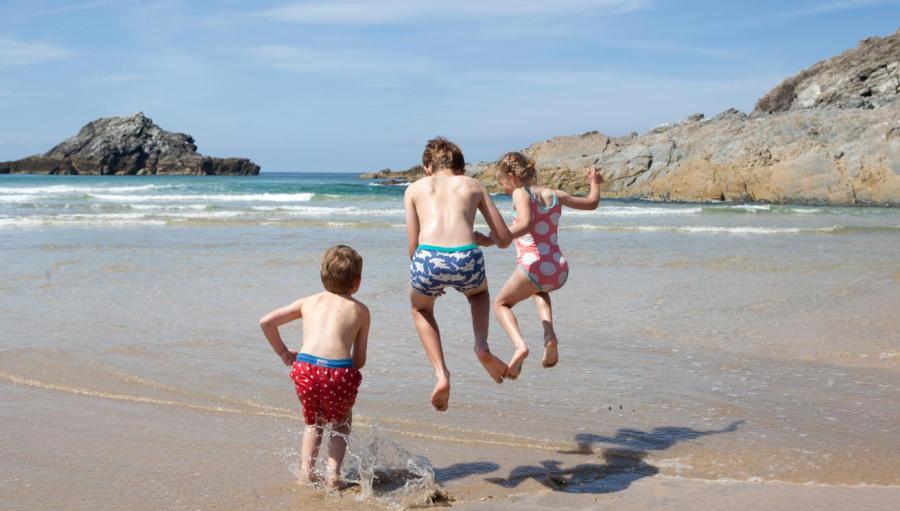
[240,467]
[715,186]
[720,356]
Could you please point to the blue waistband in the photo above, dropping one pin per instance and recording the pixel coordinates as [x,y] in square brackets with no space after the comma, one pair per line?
[461,248]
[332,363]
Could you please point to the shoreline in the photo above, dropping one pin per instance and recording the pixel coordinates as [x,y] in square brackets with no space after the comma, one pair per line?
[403,178]
[489,479]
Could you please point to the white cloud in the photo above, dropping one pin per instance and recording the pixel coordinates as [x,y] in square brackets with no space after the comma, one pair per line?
[18,53]
[363,12]
[543,103]
[11,94]
[677,48]
[825,8]
[70,8]
[119,78]
[307,60]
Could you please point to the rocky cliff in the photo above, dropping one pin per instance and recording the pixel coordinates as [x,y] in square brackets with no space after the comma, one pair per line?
[863,77]
[128,146]
[829,134]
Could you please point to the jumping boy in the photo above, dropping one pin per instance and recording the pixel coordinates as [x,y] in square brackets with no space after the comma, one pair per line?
[440,214]
[326,371]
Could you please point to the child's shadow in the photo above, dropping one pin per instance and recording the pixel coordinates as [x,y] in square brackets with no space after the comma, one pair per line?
[460,470]
[621,465]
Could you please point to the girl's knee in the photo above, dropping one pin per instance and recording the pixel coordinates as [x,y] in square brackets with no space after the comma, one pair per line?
[503,302]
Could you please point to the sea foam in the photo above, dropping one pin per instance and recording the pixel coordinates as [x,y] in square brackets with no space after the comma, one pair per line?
[706,229]
[258,197]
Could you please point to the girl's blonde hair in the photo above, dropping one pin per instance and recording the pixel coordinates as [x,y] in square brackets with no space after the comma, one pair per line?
[517,165]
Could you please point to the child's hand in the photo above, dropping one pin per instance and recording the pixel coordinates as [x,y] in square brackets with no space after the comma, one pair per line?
[482,240]
[289,357]
[594,176]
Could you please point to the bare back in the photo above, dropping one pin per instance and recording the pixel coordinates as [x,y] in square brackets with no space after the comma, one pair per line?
[445,207]
[545,196]
[331,324]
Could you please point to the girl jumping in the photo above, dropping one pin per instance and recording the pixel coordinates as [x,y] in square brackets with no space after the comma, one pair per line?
[540,265]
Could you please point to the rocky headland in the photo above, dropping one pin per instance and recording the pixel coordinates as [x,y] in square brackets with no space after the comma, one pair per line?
[828,135]
[128,146]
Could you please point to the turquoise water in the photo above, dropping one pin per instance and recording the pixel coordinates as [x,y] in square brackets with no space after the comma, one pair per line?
[293,199]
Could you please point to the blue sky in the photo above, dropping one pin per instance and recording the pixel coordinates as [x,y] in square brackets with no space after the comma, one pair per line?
[354,85]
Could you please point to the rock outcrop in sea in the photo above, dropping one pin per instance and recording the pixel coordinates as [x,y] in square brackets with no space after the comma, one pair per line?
[128,146]
[829,135]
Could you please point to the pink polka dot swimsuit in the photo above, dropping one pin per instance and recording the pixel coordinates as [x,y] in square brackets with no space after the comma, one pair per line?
[537,252]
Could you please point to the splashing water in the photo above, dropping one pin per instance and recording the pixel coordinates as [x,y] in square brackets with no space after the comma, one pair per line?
[388,472]
[381,469]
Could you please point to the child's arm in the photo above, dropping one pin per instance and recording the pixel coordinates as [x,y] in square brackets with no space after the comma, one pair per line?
[589,202]
[412,223]
[521,225]
[522,203]
[483,240]
[362,340]
[270,323]
[499,231]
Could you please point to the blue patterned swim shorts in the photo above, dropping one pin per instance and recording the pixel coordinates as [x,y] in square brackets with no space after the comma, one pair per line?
[434,268]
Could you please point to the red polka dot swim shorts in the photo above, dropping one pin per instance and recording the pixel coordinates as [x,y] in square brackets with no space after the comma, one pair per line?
[326,393]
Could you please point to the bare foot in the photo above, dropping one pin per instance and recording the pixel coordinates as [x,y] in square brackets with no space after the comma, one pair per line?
[338,485]
[551,353]
[515,364]
[441,396]
[494,366]
[308,477]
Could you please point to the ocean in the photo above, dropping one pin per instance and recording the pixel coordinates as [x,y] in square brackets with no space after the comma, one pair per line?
[717,342]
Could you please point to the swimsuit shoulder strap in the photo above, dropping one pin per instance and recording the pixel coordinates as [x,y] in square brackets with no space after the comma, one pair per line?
[555,202]
[530,192]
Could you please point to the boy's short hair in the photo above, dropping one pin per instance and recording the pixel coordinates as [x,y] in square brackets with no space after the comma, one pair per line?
[341,267]
[441,153]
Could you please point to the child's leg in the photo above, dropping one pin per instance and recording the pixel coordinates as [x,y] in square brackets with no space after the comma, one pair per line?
[516,289]
[309,449]
[337,447]
[480,306]
[545,311]
[427,328]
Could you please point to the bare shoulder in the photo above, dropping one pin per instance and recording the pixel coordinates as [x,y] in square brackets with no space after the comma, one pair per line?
[415,188]
[472,184]
[360,312]
[470,180]
[547,194]
[305,303]
[360,307]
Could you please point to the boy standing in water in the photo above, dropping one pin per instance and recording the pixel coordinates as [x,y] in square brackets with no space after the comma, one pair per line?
[326,371]
[440,214]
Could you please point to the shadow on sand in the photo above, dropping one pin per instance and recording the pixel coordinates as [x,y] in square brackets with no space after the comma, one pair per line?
[460,470]
[622,464]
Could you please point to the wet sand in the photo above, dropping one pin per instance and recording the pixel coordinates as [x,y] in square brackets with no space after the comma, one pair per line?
[220,460]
